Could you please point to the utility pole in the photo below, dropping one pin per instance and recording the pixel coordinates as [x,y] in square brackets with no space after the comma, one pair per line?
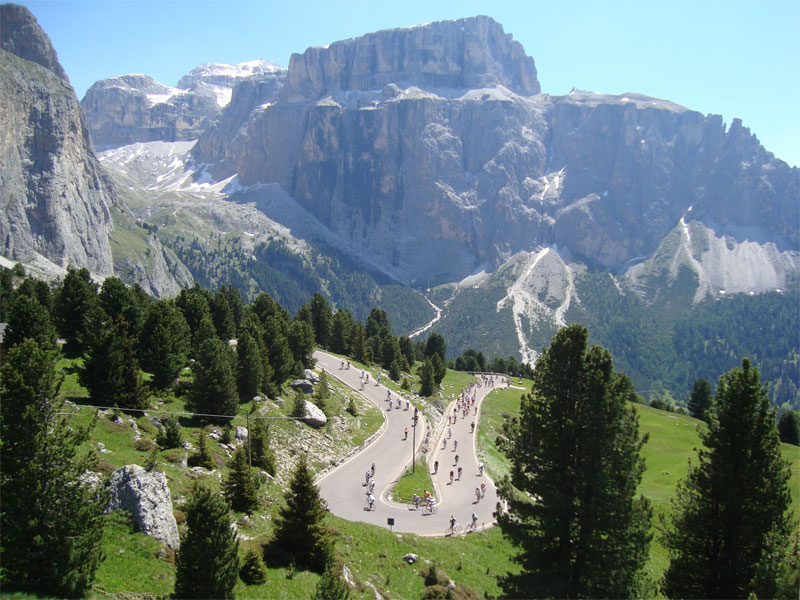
[414,442]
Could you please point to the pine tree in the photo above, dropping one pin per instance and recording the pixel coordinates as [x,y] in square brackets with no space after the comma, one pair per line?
[439,369]
[789,427]
[331,587]
[426,378]
[700,399]
[164,343]
[250,369]
[300,527]
[341,331]
[301,343]
[50,521]
[729,515]
[321,320]
[261,455]
[241,487]
[358,346]
[171,437]
[202,458]
[207,563]
[110,371]
[214,388]
[28,319]
[575,448]
[76,296]
[253,571]
[322,393]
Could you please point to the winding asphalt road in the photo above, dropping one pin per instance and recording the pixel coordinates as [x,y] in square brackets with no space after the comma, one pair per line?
[391,452]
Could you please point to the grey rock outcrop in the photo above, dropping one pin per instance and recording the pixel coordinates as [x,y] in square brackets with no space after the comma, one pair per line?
[56,197]
[146,495]
[314,415]
[137,108]
[462,54]
[437,176]
[302,385]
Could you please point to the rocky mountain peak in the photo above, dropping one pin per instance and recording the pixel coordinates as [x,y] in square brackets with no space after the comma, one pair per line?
[21,35]
[463,54]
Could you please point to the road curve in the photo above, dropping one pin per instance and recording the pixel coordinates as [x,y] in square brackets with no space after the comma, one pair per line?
[391,452]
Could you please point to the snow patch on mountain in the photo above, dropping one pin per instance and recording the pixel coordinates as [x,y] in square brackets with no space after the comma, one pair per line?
[543,289]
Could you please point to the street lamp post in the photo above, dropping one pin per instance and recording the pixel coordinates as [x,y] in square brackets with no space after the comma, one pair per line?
[414,442]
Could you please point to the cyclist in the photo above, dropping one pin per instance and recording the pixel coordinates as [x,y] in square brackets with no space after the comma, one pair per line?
[435,467]
[370,501]
[483,490]
[477,494]
[451,475]
[455,446]
[456,459]
[480,468]
[449,432]
[415,499]
[452,524]
[368,474]
[474,521]
[472,427]
[408,404]
[405,433]
[371,485]
[373,469]
[459,473]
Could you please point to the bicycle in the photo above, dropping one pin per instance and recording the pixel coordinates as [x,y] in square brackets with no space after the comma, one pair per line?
[430,509]
[369,506]
[453,530]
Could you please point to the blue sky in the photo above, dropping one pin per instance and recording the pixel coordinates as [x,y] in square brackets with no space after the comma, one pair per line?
[736,58]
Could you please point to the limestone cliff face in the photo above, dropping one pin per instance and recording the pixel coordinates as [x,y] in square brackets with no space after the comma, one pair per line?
[436,164]
[136,108]
[55,195]
[468,53]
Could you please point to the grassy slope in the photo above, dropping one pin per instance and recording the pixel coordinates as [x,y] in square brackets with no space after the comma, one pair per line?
[671,445]
[133,562]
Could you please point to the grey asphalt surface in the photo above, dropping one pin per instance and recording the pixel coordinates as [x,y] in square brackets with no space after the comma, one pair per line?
[346,496]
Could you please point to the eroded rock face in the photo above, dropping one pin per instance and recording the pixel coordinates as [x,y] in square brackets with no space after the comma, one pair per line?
[146,495]
[56,197]
[462,54]
[314,415]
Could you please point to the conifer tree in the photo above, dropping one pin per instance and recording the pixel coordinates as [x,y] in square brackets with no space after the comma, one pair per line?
[700,399]
[439,369]
[250,369]
[322,393]
[341,331]
[301,342]
[575,448]
[76,296]
[241,488]
[207,563]
[164,343]
[789,427]
[202,458]
[50,521]
[321,320]
[214,388]
[300,527]
[331,587]
[253,570]
[261,455]
[28,319]
[426,378]
[358,345]
[171,436]
[729,515]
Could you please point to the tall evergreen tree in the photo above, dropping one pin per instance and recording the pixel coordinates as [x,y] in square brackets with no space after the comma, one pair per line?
[50,521]
[250,367]
[214,387]
[120,302]
[322,393]
[301,531]
[301,343]
[164,343]
[699,399]
[575,448]
[439,369]
[358,346]
[76,296]
[729,515]
[261,455]
[28,319]
[789,427]
[207,563]
[436,345]
[222,316]
[321,320]
[241,487]
[341,331]
[427,383]
[110,371]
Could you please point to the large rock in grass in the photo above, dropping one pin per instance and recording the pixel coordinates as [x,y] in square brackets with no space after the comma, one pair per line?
[314,415]
[146,495]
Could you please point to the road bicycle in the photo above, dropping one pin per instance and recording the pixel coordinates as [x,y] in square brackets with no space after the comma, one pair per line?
[414,505]
[453,530]
[369,506]
[427,509]
[472,526]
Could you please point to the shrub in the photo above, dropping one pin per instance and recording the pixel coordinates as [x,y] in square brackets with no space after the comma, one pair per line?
[253,570]
[171,436]
[144,445]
